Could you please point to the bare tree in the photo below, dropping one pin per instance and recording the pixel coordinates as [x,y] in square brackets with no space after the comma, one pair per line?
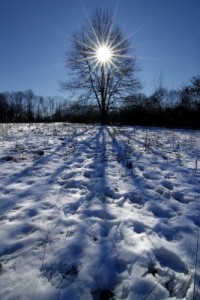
[30,103]
[18,103]
[4,107]
[102,66]
[159,96]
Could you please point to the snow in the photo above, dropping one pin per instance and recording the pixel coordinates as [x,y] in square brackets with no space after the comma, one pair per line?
[99,212]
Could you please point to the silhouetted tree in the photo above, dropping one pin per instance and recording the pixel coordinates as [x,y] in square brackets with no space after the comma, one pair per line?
[29,99]
[96,78]
[195,90]
[4,108]
[18,103]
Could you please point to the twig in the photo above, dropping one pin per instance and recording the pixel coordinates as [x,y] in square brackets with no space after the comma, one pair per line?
[155,285]
[45,246]
[195,266]
[195,167]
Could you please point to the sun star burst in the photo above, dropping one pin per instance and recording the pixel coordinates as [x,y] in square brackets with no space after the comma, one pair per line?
[104,54]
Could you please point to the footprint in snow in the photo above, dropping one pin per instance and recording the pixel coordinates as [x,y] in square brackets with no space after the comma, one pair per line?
[160,212]
[78,165]
[76,184]
[179,196]
[167,184]
[112,193]
[18,207]
[26,231]
[139,227]
[171,260]
[100,214]
[68,175]
[30,182]
[160,191]
[150,176]
[14,216]
[71,208]
[80,160]
[47,205]
[11,248]
[31,212]
[88,174]
[6,192]
[91,165]
[141,168]
[3,218]
[170,234]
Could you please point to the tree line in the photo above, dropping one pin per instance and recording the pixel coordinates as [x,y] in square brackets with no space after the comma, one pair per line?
[170,108]
[25,106]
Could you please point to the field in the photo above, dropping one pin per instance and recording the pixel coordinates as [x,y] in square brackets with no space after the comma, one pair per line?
[99,212]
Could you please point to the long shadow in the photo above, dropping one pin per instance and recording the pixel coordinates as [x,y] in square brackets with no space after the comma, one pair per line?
[89,251]
[47,158]
[28,171]
[105,267]
[138,183]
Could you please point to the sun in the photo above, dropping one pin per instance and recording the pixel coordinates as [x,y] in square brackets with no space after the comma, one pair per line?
[104,54]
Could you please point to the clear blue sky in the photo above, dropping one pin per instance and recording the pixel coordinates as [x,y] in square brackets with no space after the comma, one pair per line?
[34,35]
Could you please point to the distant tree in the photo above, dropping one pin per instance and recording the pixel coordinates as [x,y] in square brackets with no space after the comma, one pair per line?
[196,84]
[190,94]
[135,101]
[4,108]
[158,99]
[195,90]
[172,98]
[39,108]
[101,62]
[29,99]
[18,105]
[186,98]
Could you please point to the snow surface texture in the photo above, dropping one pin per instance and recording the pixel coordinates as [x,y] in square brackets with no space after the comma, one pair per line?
[99,212]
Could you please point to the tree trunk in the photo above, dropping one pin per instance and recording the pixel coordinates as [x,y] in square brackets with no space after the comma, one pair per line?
[104,117]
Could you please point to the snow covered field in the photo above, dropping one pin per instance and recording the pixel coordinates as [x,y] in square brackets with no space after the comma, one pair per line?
[99,212]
